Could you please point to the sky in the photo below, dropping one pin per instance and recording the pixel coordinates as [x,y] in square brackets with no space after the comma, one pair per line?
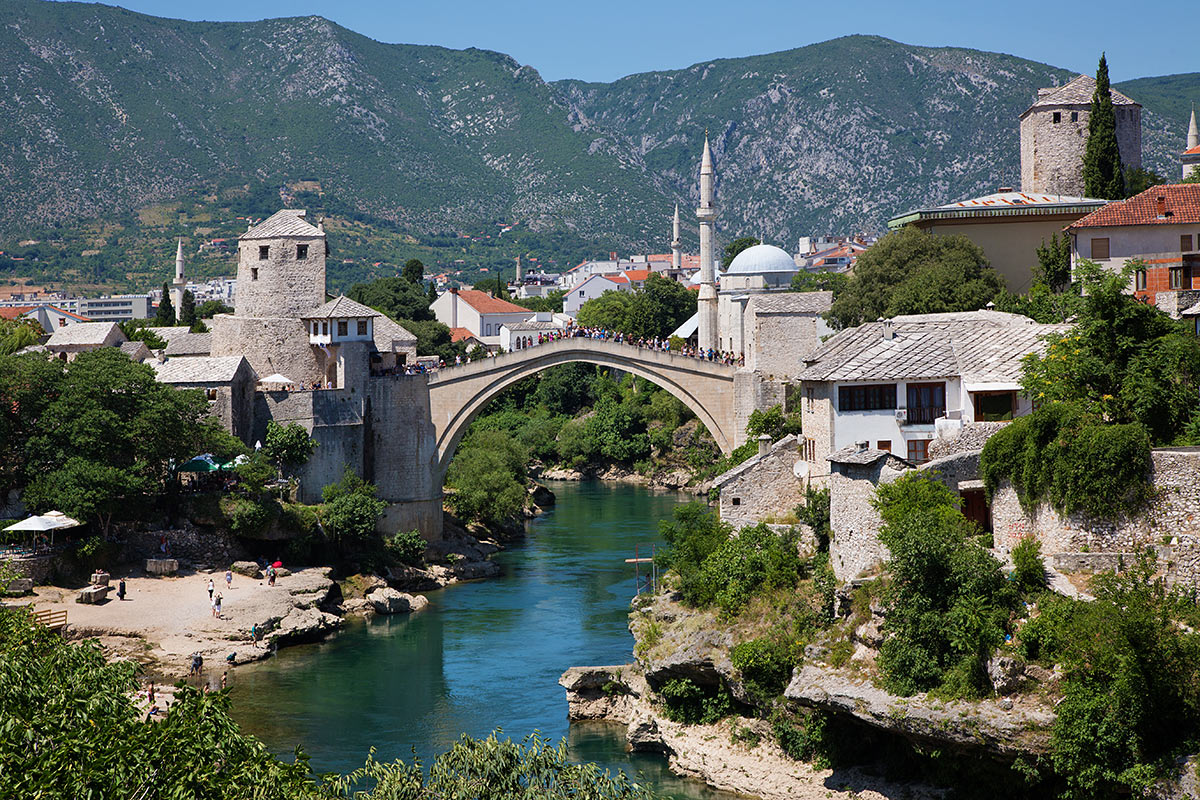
[602,41]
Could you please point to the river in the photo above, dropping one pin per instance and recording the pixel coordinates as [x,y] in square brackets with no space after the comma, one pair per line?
[483,655]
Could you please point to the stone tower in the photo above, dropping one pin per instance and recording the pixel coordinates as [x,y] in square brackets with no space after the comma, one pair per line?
[1191,154]
[706,214]
[518,272]
[179,285]
[280,278]
[677,244]
[1054,137]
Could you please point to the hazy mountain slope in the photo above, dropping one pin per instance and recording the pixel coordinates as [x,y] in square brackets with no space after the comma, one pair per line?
[835,136]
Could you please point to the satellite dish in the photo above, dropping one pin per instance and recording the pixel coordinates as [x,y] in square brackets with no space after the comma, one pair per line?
[800,469]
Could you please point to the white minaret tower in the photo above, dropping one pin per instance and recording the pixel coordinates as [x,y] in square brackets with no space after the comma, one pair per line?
[676,244]
[518,272]
[1191,155]
[706,214]
[180,283]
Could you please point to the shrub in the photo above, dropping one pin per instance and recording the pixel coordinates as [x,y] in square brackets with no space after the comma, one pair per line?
[689,704]
[756,559]
[1029,572]
[765,666]
[288,446]
[247,516]
[350,508]
[407,547]
[692,534]
[802,737]
[815,514]
[488,477]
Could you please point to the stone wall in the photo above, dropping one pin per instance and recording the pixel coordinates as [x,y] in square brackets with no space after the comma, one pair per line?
[971,436]
[751,391]
[216,548]
[402,455]
[854,545]
[777,343]
[1170,525]
[281,285]
[1052,153]
[270,344]
[816,417]
[763,487]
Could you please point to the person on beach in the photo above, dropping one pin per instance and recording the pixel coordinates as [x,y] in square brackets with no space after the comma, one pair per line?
[212,606]
[211,587]
[224,680]
[217,607]
[150,694]
[121,589]
[228,579]
[254,633]
[197,663]
[270,576]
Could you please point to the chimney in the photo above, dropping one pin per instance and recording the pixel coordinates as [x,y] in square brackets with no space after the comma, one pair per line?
[764,444]
[860,446]
[1162,206]
[161,355]
[889,330]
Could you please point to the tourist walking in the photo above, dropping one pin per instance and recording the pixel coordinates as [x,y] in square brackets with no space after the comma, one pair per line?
[270,576]
[211,587]
[197,663]
[121,589]
[228,579]
[217,607]
[254,633]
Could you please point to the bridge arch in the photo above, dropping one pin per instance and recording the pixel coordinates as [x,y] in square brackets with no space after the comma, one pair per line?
[458,394]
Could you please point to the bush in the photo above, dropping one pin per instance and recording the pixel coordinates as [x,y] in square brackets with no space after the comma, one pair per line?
[350,508]
[1029,572]
[1072,459]
[407,547]
[488,477]
[247,516]
[802,738]
[693,533]
[288,446]
[755,560]
[765,666]
[689,704]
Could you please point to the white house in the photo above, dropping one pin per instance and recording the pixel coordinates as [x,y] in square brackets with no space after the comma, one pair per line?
[520,335]
[477,312]
[895,383]
[590,288]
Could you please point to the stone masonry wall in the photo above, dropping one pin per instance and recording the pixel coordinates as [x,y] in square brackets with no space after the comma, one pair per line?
[270,344]
[777,343]
[1052,153]
[854,545]
[816,417]
[765,487]
[1170,525]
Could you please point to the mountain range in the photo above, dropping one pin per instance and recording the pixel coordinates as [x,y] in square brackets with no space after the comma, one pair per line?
[103,110]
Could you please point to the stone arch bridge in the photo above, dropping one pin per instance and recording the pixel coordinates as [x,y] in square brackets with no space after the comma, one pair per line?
[721,396]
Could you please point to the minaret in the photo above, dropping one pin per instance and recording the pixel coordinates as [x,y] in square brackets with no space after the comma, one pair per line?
[676,244]
[180,283]
[1191,155]
[518,272]
[706,214]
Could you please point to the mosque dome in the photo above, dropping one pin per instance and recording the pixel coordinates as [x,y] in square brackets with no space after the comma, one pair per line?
[761,259]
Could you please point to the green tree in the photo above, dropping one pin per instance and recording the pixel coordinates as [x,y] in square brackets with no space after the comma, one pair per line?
[693,533]
[187,310]
[413,271]
[165,316]
[807,281]
[1103,175]
[433,339]
[488,477]
[1054,263]
[28,385]
[432,295]
[654,310]
[912,272]
[289,446]
[496,286]
[948,602]
[350,509]
[553,302]
[400,299]
[1139,179]
[138,330]
[737,246]
[17,334]
[210,308]
[114,426]
[610,311]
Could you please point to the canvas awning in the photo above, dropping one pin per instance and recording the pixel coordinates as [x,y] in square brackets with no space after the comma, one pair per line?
[277,379]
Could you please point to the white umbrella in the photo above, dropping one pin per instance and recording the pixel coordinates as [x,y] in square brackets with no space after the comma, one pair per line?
[62,519]
[277,378]
[34,524]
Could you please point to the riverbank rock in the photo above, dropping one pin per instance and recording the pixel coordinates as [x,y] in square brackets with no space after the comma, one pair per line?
[562,474]
[602,693]
[541,496]
[691,643]
[247,568]
[389,601]
[980,725]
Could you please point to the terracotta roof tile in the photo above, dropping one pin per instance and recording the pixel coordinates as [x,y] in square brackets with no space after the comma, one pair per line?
[461,334]
[12,312]
[1181,202]
[484,303]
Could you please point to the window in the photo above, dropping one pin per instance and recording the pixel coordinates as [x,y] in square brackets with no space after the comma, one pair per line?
[1185,243]
[301,252]
[324,328]
[918,451]
[362,327]
[487,330]
[737,501]
[264,252]
[884,444]
[994,406]
[867,398]
[1140,277]
[254,273]
[808,396]
[342,327]
[1100,248]
[316,328]
[1057,117]
[1176,278]
[926,402]
[1074,116]
[810,449]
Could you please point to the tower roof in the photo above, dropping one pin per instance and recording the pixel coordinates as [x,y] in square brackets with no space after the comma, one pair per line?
[761,259]
[285,222]
[706,162]
[1193,140]
[342,307]
[1076,93]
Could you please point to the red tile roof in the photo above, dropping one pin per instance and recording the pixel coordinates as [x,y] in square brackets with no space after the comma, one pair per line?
[637,274]
[1192,151]
[459,334]
[12,312]
[484,303]
[1181,201]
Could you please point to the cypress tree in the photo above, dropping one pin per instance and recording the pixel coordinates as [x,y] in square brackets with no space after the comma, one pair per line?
[1103,175]
[432,292]
[165,318]
[187,309]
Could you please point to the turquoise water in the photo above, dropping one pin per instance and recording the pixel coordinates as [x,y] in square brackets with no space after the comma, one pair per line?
[483,655]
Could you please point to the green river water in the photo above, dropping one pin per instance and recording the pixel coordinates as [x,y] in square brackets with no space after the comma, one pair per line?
[483,655]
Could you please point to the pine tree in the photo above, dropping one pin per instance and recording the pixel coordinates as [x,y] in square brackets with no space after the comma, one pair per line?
[187,309]
[1103,175]
[165,318]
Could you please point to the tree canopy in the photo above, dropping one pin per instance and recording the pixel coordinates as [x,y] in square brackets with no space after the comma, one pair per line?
[1103,175]
[399,298]
[164,317]
[660,307]
[912,272]
[413,271]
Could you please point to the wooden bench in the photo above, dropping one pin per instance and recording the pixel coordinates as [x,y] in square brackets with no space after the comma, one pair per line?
[51,618]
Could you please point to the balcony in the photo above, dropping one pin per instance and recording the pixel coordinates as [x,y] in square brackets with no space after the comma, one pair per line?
[924,415]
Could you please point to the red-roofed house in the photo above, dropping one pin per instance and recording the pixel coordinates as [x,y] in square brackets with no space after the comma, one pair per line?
[51,318]
[1160,226]
[478,312]
[590,288]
